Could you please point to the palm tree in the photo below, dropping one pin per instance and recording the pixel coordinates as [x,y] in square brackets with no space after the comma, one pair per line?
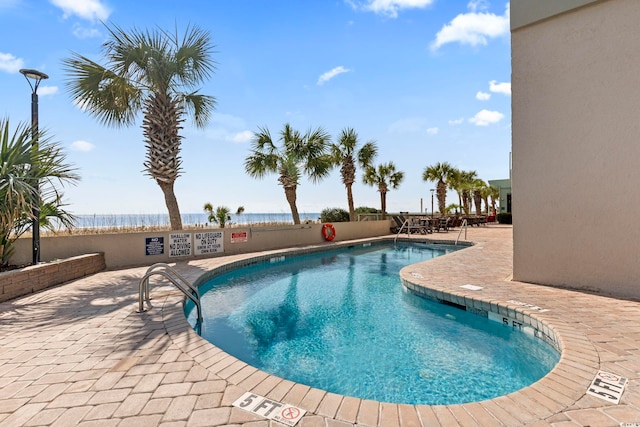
[465,186]
[346,154]
[478,186]
[494,193]
[298,154]
[156,73]
[384,176]
[455,183]
[219,216]
[21,166]
[440,173]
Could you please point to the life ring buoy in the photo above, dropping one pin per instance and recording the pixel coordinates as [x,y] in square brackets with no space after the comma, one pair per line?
[328,232]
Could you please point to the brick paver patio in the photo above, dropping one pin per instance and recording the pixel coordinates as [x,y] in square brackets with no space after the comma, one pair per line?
[80,354]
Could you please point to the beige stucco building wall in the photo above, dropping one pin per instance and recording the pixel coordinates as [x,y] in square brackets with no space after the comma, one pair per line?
[576,143]
[146,248]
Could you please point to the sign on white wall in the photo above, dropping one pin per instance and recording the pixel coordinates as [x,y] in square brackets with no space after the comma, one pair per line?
[238,236]
[154,245]
[209,243]
[179,244]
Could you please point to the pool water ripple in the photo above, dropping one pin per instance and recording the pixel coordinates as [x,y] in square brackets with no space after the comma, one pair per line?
[340,321]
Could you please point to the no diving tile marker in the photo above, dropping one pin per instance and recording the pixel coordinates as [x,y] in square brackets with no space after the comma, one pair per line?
[471,287]
[607,386]
[270,409]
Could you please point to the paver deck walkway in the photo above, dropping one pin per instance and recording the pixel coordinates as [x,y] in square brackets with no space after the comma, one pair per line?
[80,354]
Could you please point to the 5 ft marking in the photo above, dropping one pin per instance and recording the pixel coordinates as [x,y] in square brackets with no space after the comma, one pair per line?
[270,409]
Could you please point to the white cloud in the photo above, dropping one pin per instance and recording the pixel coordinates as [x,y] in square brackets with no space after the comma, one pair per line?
[228,128]
[433,131]
[227,120]
[82,146]
[486,117]
[473,28]
[503,88]
[242,137]
[389,8]
[475,5]
[407,125]
[91,10]
[47,90]
[325,77]
[10,63]
[483,96]
[8,4]
[84,32]
[456,122]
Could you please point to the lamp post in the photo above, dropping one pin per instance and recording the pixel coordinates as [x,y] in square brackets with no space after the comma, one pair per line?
[37,76]
[432,190]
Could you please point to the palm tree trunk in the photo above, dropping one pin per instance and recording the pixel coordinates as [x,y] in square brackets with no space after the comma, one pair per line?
[290,193]
[352,209]
[442,197]
[172,205]
[383,204]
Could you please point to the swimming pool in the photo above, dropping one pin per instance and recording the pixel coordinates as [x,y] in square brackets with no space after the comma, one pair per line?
[340,321]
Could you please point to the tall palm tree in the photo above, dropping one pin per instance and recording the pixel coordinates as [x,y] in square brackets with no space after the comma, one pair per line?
[21,165]
[298,155]
[383,177]
[467,178]
[439,173]
[478,186]
[154,72]
[455,183]
[346,154]
[494,193]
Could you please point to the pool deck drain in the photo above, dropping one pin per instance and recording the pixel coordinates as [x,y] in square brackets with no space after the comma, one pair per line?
[79,354]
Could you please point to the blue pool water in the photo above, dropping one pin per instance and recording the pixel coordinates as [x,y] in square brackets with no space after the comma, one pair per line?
[340,321]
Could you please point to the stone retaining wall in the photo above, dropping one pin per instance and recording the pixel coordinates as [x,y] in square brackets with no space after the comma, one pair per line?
[34,278]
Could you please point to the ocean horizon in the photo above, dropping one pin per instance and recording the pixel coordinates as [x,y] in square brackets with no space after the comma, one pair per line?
[188,219]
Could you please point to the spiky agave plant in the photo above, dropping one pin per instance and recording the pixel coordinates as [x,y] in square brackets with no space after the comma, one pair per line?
[22,164]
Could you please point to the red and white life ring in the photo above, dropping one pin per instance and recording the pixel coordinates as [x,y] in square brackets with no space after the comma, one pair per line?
[328,232]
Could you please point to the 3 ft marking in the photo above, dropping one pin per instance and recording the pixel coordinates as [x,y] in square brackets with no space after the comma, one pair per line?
[270,409]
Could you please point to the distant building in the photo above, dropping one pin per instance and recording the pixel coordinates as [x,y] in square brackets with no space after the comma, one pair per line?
[576,144]
[504,202]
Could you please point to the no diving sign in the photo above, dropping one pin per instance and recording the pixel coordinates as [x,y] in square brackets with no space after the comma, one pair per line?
[270,409]
[607,386]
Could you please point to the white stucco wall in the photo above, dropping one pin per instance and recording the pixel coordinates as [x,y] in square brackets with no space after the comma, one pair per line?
[129,249]
[576,148]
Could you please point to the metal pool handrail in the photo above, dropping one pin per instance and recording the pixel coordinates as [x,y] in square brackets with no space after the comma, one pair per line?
[464,226]
[188,289]
[406,222]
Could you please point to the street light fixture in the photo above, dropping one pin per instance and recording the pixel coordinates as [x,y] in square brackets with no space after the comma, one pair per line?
[432,190]
[37,76]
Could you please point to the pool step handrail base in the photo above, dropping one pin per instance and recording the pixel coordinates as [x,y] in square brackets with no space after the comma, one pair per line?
[187,288]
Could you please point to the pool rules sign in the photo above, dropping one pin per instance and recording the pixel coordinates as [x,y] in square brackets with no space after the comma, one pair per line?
[270,409]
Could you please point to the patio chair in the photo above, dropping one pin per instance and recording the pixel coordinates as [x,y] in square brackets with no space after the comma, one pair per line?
[443,224]
[409,226]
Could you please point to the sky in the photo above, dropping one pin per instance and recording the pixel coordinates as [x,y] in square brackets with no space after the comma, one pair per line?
[428,80]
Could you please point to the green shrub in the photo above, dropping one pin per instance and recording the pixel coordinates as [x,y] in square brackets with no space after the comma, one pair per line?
[334,215]
[504,218]
[364,210]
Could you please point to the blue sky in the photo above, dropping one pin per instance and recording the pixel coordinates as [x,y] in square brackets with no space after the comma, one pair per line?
[428,80]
